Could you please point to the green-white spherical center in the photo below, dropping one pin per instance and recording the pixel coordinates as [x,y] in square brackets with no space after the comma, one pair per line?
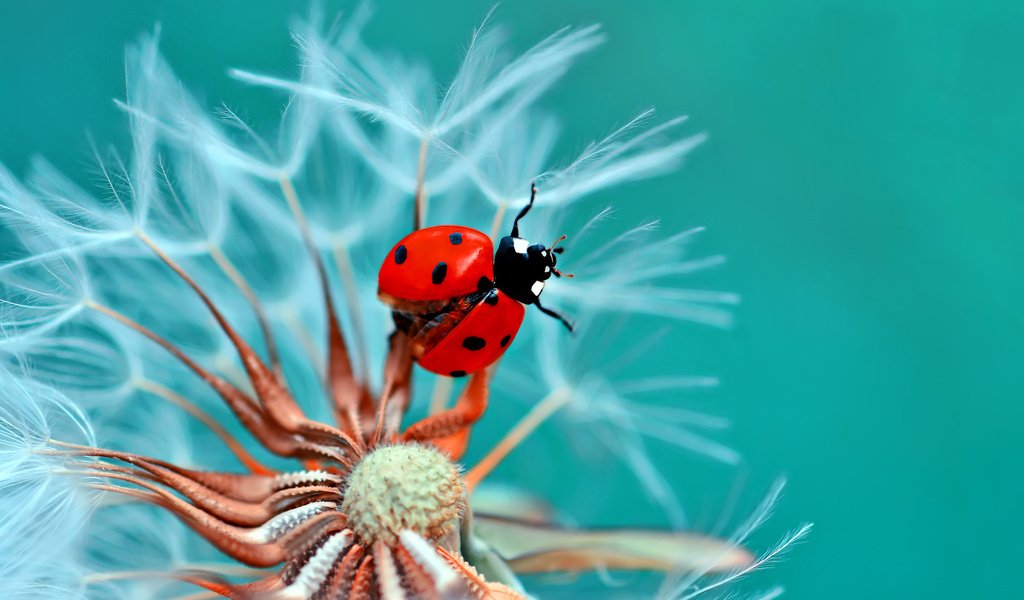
[401,487]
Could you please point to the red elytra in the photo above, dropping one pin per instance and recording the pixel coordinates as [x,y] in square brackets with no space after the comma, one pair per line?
[429,269]
[479,339]
[437,263]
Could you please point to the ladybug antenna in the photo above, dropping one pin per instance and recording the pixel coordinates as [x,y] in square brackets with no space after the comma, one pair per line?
[559,251]
[526,209]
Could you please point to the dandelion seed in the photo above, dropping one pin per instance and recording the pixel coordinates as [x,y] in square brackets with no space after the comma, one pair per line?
[41,510]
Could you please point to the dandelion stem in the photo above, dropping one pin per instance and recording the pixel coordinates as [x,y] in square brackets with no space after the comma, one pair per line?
[397,388]
[243,406]
[221,569]
[181,402]
[533,419]
[419,207]
[343,261]
[346,393]
[271,390]
[293,322]
[499,216]
[440,395]
[232,373]
[96,578]
[132,324]
[292,198]
[243,286]
[207,595]
[203,296]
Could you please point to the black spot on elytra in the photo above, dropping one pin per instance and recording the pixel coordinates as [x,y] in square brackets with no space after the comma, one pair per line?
[474,343]
[401,253]
[458,373]
[505,340]
[484,284]
[492,298]
[455,238]
[440,272]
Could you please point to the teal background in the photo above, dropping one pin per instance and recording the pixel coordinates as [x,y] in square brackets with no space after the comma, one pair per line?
[865,175]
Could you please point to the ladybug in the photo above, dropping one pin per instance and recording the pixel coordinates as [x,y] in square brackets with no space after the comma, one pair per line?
[461,302]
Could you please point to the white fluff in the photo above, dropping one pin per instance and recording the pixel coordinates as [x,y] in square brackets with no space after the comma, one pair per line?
[685,586]
[42,511]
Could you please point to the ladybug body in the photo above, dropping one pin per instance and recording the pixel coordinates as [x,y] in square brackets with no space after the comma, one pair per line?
[460,302]
[437,263]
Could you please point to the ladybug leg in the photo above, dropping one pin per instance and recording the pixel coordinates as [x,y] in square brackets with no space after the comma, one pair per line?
[552,313]
[526,209]
[402,321]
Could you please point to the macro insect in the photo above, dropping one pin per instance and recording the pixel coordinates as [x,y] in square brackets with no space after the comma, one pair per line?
[460,302]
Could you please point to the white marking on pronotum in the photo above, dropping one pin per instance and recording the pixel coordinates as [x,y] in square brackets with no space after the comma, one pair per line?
[543,253]
[520,245]
[538,287]
[546,269]
[312,576]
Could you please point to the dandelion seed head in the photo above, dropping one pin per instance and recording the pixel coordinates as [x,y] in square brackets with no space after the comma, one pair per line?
[420,480]
[180,310]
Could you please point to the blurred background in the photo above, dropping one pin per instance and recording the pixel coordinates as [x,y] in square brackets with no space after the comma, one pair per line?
[863,175]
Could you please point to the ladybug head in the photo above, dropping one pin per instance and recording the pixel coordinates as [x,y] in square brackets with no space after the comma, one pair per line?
[521,268]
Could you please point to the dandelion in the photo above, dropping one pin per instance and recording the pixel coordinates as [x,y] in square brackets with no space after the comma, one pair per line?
[200,387]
